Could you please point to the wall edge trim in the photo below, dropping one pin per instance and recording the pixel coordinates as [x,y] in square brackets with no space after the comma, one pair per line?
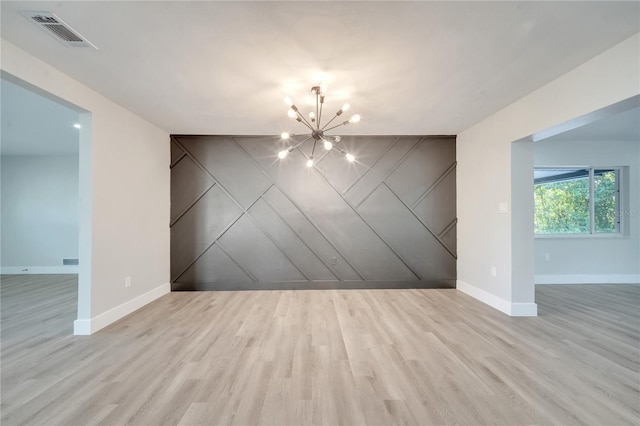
[34,270]
[82,327]
[588,279]
[92,325]
[504,306]
[314,285]
[524,310]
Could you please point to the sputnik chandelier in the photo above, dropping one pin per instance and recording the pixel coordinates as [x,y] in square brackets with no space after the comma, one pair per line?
[318,130]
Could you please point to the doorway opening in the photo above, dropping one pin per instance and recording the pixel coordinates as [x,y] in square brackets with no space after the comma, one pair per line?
[46,215]
[596,142]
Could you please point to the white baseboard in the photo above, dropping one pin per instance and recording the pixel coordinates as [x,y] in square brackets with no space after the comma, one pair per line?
[20,270]
[524,310]
[511,309]
[83,327]
[481,295]
[588,279]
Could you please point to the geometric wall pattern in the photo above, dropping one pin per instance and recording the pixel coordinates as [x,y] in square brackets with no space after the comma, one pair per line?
[243,219]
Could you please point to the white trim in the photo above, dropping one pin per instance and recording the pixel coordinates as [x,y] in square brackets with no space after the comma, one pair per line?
[598,236]
[511,309]
[481,295]
[90,326]
[20,270]
[82,327]
[588,279]
[524,310]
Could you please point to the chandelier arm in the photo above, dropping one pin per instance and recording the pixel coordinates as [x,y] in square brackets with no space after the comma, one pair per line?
[329,122]
[337,125]
[320,114]
[305,122]
[318,110]
[313,150]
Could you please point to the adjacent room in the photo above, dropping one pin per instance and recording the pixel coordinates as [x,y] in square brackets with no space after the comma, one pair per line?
[342,212]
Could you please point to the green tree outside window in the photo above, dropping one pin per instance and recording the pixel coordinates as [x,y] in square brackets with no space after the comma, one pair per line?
[563,201]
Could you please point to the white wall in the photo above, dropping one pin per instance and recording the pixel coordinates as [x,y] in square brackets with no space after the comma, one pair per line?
[124,196]
[592,260]
[485,174]
[39,213]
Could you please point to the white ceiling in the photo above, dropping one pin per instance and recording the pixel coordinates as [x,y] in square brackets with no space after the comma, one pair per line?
[624,126]
[408,67]
[31,124]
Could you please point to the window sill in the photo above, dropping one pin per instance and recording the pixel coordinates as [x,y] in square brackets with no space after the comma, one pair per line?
[580,236]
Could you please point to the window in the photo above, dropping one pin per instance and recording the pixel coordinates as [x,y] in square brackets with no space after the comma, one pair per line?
[577,200]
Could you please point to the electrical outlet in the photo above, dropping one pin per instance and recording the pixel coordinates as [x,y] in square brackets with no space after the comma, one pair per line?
[494,271]
[334,260]
[127,282]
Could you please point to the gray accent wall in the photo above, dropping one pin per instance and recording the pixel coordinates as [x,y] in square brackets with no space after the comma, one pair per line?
[243,219]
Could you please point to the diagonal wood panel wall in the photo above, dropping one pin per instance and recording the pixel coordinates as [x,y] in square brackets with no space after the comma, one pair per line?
[242,219]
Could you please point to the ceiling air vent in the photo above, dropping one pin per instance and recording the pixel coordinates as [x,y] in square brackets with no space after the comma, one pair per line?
[58,29]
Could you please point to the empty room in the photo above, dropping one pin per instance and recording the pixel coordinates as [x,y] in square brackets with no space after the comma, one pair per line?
[320,212]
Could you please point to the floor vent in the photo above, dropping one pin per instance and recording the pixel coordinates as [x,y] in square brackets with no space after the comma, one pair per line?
[70,261]
[58,29]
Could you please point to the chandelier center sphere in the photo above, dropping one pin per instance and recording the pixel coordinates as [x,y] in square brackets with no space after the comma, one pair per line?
[317,134]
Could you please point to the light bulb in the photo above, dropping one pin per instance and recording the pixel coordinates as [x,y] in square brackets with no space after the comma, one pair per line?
[282,154]
[288,101]
[291,113]
[350,158]
[337,138]
[323,89]
[355,118]
[309,162]
[77,126]
[285,135]
[328,145]
[312,115]
[345,107]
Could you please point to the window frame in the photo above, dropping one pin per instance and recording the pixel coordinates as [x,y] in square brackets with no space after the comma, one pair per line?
[619,225]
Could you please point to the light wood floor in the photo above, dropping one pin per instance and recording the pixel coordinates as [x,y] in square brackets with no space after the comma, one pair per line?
[322,357]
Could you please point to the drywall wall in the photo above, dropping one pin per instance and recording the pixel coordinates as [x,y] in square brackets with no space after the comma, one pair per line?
[39,213]
[242,219]
[595,259]
[124,191]
[485,172]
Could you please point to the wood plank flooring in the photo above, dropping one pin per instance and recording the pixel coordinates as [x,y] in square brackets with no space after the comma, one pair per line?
[351,357]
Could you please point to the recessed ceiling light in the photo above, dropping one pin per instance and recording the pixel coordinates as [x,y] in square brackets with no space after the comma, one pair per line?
[77,126]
